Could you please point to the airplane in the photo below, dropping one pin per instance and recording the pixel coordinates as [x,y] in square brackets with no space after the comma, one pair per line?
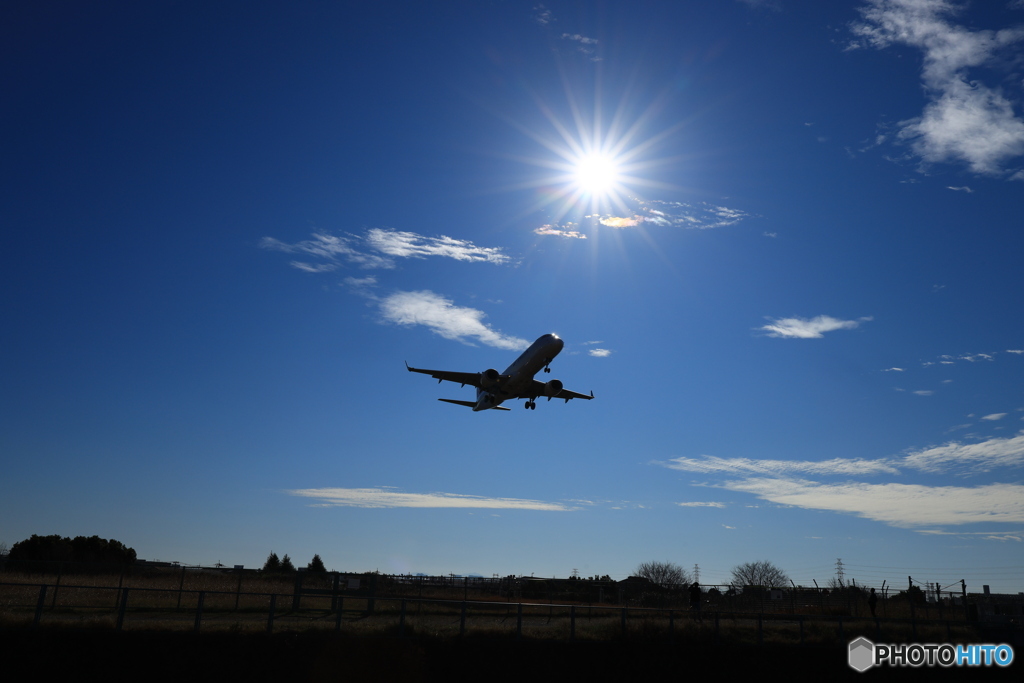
[516,382]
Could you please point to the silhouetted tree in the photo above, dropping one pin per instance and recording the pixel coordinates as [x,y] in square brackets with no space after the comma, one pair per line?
[664,574]
[41,552]
[286,564]
[762,573]
[273,564]
[316,565]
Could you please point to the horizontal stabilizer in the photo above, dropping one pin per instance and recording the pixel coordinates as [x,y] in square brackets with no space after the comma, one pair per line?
[468,404]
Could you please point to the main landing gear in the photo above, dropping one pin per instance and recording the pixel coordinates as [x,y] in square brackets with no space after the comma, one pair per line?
[530,405]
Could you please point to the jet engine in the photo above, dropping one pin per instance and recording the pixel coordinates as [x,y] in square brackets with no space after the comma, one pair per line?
[552,388]
[488,378]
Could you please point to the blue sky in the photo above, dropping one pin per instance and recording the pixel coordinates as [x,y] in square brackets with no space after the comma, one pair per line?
[796,292]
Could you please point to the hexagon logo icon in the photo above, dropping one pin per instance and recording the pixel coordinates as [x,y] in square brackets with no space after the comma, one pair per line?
[862,654]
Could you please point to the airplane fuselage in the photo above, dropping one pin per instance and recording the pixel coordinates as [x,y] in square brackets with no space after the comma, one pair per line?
[520,373]
[493,387]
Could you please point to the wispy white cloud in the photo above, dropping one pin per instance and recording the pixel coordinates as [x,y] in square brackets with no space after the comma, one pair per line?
[621,221]
[836,466]
[542,15]
[924,392]
[894,370]
[389,498]
[701,505]
[332,250]
[969,458]
[444,318]
[692,216]
[584,45]
[377,248]
[961,189]
[808,328]
[579,39]
[994,416]
[1017,351]
[964,119]
[360,282]
[600,353]
[696,215]
[901,505]
[558,231]
[411,245]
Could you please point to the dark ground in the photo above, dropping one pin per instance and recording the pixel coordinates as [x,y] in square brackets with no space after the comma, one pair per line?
[65,654]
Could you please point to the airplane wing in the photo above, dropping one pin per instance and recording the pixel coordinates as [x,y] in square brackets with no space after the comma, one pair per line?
[470,378]
[468,404]
[537,389]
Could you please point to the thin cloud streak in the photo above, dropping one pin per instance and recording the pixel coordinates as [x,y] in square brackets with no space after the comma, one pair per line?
[808,328]
[894,503]
[411,245]
[445,319]
[900,505]
[334,251]
[970,458]
[548,229]
[386,498]
[836,466]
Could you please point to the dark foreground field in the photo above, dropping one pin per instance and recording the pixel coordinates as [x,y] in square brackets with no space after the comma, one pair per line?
[64,654]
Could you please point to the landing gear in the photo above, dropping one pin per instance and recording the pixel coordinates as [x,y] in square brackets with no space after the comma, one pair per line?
[547,369]
[530,405]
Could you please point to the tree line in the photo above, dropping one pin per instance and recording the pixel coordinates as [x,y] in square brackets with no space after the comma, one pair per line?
[40,552]
[284,565]
[761,573]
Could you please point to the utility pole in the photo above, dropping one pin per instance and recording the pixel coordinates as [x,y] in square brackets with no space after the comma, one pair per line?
[696,573]
[839,571]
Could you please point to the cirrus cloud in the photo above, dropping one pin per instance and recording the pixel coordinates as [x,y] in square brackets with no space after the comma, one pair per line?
[388,498]
[444,318]
[808,328]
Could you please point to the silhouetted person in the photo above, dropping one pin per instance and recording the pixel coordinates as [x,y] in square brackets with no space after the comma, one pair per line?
[872,601]
[695,598]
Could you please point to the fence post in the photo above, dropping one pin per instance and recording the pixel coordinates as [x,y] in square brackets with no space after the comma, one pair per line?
[181,585]
[801,629]
[623,621]
[519,621]
[199,610]
[572,622]
[373,594]
[39,605]
[334,592]
[121,609]
[297,591]
[337,618]
[716,626]
[56,586]
[270,616]
[462,620]
[671,624]
[842,638]
[401,622]
[760,629]
[238,590]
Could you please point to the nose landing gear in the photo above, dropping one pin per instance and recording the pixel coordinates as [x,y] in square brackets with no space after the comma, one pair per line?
[530,405]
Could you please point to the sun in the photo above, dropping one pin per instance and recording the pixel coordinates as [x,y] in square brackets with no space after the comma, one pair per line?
[596,174]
